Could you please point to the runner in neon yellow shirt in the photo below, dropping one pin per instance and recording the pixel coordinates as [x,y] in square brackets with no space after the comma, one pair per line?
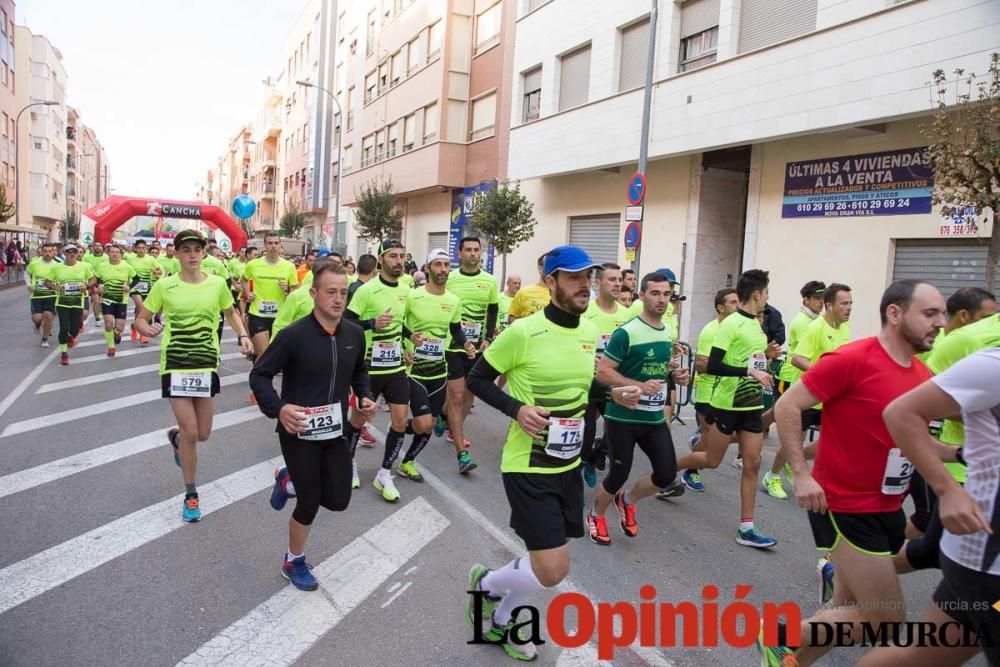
[114,279]
[96,257]
[267,281]
[43,298]
[71,281]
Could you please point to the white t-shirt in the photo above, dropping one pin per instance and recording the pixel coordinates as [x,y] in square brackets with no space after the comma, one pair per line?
[974,383]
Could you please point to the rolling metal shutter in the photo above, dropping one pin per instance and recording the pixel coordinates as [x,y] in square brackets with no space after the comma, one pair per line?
[435,241]
[574,78]
[599,235]
[766,22]
[698,16]
[948,263]
[635,48]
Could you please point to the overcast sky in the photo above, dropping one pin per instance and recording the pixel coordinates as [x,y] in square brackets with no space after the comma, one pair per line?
[164,84]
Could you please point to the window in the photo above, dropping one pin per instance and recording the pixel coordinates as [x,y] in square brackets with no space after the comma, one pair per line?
[380,145]
[484,111]
[348,158]
[383,76]
[635,49]
[434,40]
[488,28]
[699,33]
[759,29]
[366,150]
[370,87]
[574,83]
[370,34]
[430,122]
[532,94]
[409,131]
[398,66]
[535,4]
[350,108]
[393,139]
[414,56]
[336,129]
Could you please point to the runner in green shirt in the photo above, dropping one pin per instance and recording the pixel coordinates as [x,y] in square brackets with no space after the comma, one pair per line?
[812,306]
[71,281]
[189,353]
[267,281]
[504,299]
[739,359]
[114,279]
[147,270]
[477,291]
[96,257]
[43,298]
[168,261]
[433,320]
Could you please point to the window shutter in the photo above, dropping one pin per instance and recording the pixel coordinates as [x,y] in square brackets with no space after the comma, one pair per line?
[574,83]
[698,16]
[484,111]
[635,48]
[758,27]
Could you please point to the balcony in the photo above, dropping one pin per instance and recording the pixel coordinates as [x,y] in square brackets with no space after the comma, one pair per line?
[267,191]
[70,164]
[481,133]
[71,135]
[420,169]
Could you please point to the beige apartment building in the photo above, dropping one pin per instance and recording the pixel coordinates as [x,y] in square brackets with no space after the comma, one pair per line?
[8,106]
[422,84]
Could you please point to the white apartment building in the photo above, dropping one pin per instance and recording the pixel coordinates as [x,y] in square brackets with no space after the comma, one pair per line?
[42,144]
[784,136]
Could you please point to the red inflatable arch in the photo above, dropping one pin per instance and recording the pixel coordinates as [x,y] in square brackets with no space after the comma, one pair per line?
[110,214]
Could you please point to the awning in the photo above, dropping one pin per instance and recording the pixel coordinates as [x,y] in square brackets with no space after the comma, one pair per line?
[26,229]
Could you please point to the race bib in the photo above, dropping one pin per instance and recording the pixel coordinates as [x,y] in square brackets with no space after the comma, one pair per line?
[565,438]
[267,307]
[386,354]
[432,349]
[325,422]
[653,402]
[757,361]
[142,286]
[191,385]
[72,289]
[602,343]
[898,472]
[472,331]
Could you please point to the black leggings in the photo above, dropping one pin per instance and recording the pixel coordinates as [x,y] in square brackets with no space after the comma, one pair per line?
[70,321]
[321,473]
[655,442]
[594,410]
[924,553]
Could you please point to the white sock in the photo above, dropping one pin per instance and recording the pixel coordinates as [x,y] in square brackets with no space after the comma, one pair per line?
[290,488]
[383,475]
[514,576]
[289,556]
[746,525]
[511,601]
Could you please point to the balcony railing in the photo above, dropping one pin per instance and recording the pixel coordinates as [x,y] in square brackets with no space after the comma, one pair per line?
[71,133]
[268,188]
[481,133]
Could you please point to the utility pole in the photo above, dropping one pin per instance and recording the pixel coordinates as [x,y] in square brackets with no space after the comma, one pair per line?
[647,101]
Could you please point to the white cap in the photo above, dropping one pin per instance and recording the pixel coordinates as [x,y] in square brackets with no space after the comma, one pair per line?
[438,253]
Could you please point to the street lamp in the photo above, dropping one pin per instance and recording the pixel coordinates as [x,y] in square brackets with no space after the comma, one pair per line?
[17,166]
[340,145]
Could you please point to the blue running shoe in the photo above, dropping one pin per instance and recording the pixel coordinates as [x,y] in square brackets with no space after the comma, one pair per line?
[692,480]
[465,463]
[439,427]
[672,490]
[589,474]
[693,441]
[281,492]
[775,656]
[825,571]
[190,511]
[752,538]
[173,436]
[298,573]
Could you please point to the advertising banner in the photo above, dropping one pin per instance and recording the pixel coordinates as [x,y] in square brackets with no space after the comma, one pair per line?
[462,203]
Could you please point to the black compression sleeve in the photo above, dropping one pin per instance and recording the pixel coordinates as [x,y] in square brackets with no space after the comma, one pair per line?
[365,324]
[492,311]
[481,381]
[457,335]
[716,367]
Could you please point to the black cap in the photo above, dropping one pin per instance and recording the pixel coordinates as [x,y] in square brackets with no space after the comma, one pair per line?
[813,288]
[186,235]
[387,245]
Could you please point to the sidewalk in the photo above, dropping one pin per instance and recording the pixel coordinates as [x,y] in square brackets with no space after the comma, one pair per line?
[11,278]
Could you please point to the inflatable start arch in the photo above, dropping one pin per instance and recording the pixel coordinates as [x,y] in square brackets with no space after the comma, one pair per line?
[99,222]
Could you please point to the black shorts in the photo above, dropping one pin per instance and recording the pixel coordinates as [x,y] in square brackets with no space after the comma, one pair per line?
[43,305]
[118,310]
[394,386]
[427,396]
[705,410]
[259,324]
[321,474]
[165,384]
[459,364]
[966,596]
[737,421]
[545,509]
[811,418]
[878,533]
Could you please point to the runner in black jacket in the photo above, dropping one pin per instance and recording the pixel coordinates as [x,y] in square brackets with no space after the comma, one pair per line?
[321,357]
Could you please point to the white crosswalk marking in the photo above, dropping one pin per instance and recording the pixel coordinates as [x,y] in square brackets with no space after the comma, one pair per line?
[44,571]
[71,465]
[99,408]
[284,627]
[113,375]
[119,354]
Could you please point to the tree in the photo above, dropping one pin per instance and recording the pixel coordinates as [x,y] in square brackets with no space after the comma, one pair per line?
[964,147]
[292,222]
[505,217]
[71,225]
[6,210]
[377,215]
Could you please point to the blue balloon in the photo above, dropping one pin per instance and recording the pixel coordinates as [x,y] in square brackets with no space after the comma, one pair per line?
[244,207]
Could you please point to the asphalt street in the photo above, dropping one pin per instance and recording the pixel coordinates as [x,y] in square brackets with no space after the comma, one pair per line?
[96,567]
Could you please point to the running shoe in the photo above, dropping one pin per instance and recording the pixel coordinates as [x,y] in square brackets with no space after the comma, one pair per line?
[693,441]
[451,439]
[589,474]
[408,469]
[626,515]
[143,340]
[190,511]
[738,462]
[82,331]
[465,462]
[173,437]
[772,484]
[383,483]
[775,656]
[489,603]
[253,399]
[824,568]
[45,342]
[298,574]
[118,338]
[673,490]
[64,359]
[523,649]
[598,526]
[752,538]
[789,475]
[366,438]
[355,477]
[692,480]
[72,342]
[283,489]
[135,334]
[440,426]
[111,351]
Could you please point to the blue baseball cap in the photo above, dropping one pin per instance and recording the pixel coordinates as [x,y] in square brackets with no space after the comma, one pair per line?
[567,258]
[669,275]
[322,253]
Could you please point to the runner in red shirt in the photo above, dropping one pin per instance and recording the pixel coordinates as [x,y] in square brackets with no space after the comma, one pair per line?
[855,492]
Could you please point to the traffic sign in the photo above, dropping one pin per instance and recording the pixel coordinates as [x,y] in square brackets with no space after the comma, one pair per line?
[633,213]
[636,189]
[633,236]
